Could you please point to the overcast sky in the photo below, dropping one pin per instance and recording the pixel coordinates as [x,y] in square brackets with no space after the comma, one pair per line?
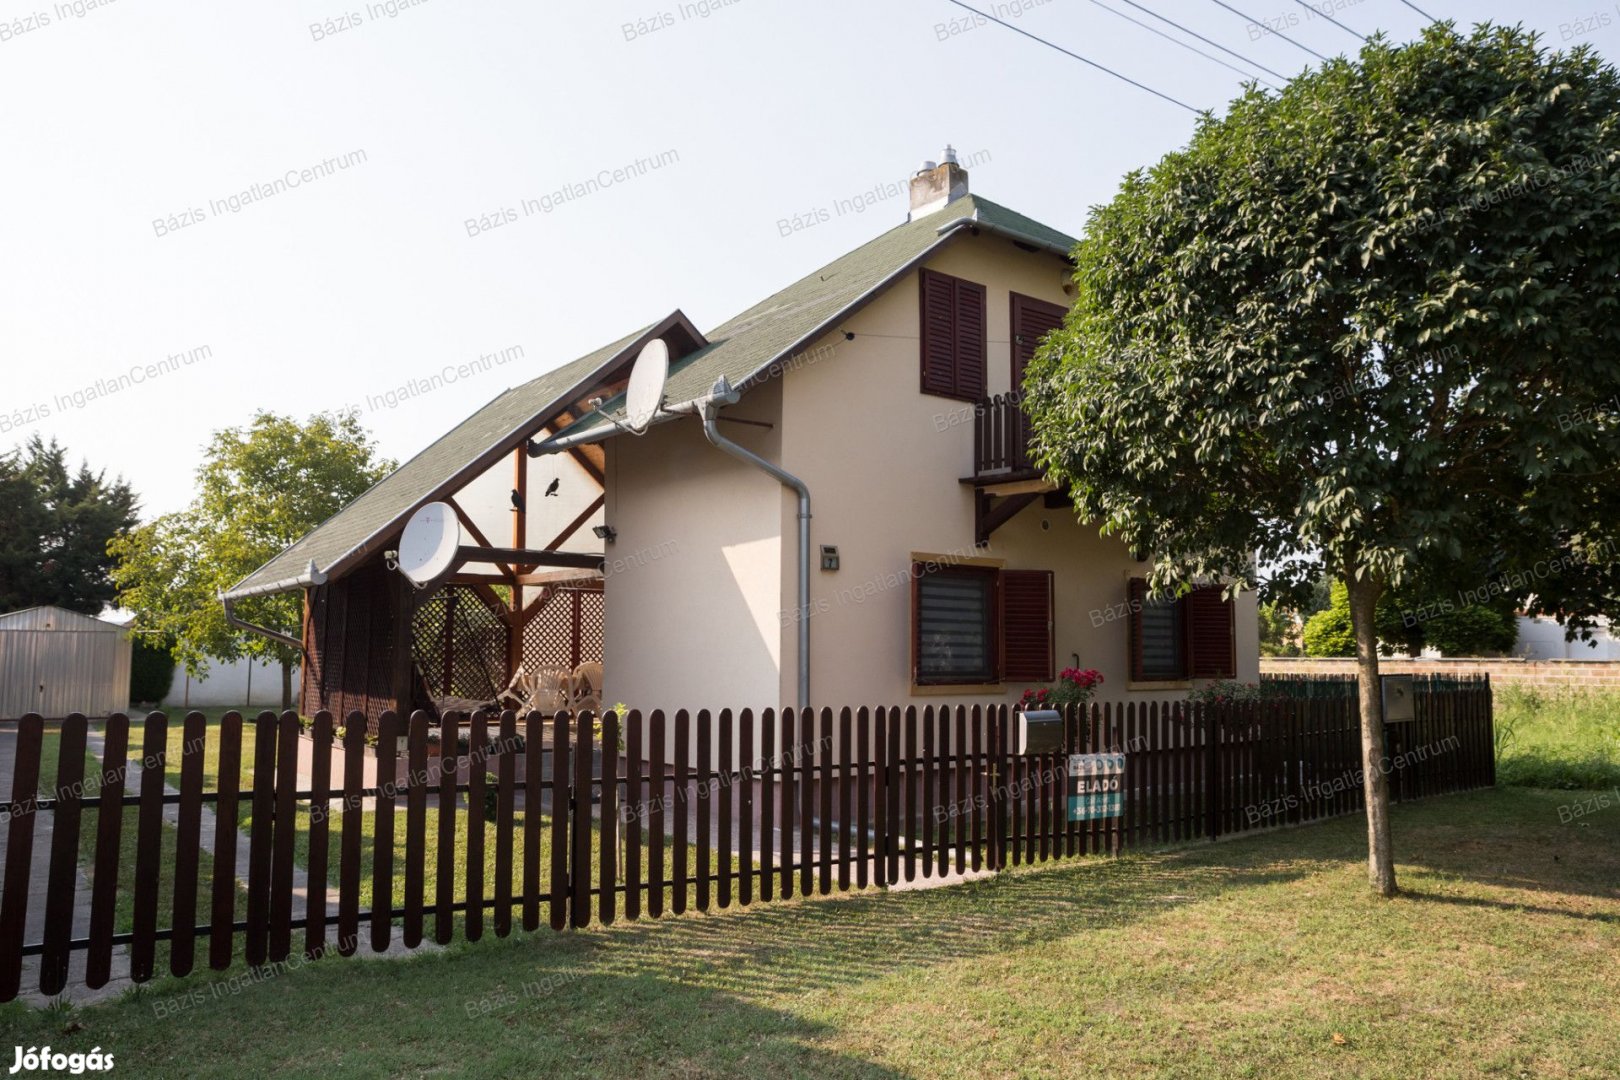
[132,128]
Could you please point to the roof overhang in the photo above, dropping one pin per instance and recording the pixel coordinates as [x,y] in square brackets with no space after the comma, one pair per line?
[600,426]
[676,322]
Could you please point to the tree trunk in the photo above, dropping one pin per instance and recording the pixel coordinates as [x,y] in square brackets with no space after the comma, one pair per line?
[286,684]
[1375,780]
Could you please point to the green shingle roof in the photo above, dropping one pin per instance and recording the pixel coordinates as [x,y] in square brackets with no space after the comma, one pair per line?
[507,419]
[746,347]
[774,330]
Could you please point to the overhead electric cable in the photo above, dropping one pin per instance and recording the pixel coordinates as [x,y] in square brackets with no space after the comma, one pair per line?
[1178,41]
[1077,56]
[1205,40]
[1256,22]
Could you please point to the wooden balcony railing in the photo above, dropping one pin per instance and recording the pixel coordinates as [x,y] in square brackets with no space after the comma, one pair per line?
[1001,437]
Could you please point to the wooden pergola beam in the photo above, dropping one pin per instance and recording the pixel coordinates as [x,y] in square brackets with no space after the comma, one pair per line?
[557,577]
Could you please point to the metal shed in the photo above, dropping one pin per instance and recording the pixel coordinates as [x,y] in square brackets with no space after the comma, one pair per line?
[54,662]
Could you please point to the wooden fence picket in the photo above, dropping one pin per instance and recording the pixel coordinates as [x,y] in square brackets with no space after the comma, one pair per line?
[63,873]
[505,812]
[320,816]
[416,785]
[608,892]
[19,852]
[110,831]
[352,834]
[284,832]
[187,840]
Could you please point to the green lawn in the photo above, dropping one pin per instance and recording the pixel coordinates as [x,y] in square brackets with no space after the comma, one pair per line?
[1261,956]
[1557,739]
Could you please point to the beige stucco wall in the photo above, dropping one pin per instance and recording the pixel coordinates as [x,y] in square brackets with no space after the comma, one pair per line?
[884,463]
[713,624]
[692,578]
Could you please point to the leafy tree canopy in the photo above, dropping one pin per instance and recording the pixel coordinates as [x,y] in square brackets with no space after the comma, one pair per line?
[1371,316]
[54,530]
[259,489]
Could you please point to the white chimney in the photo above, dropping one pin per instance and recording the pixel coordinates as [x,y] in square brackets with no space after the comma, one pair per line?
[936,186]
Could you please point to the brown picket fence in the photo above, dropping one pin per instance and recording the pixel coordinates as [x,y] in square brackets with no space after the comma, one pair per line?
[513,819]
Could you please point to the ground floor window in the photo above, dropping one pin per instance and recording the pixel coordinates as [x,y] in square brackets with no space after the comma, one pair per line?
[980,624]
[1189,636]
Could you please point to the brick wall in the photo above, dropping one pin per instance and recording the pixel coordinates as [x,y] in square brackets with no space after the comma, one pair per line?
[1540,674]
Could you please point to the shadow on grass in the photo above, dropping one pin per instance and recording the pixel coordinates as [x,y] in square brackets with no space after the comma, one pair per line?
[1514,839]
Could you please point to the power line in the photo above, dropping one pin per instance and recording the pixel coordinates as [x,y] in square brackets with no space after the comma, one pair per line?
[1330,19]
[1177,41]
[1419,10]
[1077,56]
[1205,40]
[1279,33]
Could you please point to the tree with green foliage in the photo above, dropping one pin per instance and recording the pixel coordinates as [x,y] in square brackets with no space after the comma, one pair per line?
[1330,632]
[1409,625]
[258,490]
[151,670]
[1278,630]
[1362,327]
[55,528]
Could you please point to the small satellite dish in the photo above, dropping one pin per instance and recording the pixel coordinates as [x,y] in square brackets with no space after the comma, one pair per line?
[645,396]
[427,548]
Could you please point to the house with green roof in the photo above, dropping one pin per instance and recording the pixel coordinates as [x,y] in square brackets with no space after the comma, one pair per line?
[834,504]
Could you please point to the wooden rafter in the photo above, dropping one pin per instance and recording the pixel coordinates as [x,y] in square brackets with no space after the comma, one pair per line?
[573,526]
[477,533]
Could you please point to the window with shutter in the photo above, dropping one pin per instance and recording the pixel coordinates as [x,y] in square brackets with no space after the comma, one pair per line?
[952,330]
[1032,320]
[1026,626]
[953,624]
[1186,638]
[1209,634]
[1158,650]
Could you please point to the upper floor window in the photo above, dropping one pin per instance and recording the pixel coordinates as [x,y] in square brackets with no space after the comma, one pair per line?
[952,329]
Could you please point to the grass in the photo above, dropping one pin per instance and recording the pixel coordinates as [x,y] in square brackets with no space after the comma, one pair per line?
[1262,956]
[1564,739]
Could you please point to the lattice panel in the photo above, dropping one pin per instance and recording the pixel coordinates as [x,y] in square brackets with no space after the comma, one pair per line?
[458,643]
[567,629]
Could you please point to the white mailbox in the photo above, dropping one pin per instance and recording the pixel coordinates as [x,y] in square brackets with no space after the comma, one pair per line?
[1040,731]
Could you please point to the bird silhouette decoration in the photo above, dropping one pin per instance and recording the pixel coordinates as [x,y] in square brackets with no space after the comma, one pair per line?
[551,488]
[517,500]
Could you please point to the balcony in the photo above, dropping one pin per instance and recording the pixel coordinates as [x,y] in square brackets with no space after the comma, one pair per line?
[1005,479]
[1001,442]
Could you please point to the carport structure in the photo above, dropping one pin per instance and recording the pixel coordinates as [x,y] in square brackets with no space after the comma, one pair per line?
[529,587]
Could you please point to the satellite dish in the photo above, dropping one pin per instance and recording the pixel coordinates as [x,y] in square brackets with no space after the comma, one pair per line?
[427,548]
[645,396]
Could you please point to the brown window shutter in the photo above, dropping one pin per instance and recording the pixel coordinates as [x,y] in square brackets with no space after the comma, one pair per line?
[1032,320]
[970,340]
[1136,595]
[952,330]
[1208,619]
[938,332]
[1026,626]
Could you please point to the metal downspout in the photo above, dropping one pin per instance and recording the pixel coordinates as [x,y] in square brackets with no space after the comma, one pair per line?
[709,409]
